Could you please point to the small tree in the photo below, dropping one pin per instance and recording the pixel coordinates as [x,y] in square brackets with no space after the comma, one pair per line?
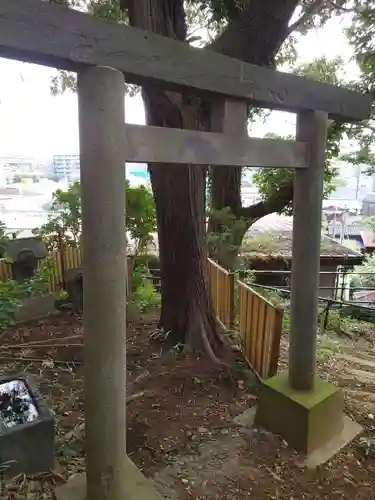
[140,217]
[368,266]
[65,225]
[224,245]
[3,231]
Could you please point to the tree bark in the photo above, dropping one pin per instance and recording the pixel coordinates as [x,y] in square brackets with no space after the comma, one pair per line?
[255,35]
[187,314]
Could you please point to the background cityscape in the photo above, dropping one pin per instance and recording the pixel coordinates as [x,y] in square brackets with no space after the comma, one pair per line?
[27,185]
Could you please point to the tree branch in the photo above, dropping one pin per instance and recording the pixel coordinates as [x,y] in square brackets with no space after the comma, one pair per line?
[256,35]
[337,6]
[307,15]
[271,205]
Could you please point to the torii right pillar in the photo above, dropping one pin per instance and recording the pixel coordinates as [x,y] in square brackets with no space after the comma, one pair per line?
[304,409]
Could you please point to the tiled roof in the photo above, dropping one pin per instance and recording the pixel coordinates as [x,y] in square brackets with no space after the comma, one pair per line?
[271,236]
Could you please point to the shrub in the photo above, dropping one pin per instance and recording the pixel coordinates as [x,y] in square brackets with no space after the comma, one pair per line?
[11,294]
[146,296]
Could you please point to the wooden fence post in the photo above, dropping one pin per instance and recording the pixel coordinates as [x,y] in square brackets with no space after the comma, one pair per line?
[101,123]
[307,214]
[229,116]
[61,251]
[276,339]
[232,283]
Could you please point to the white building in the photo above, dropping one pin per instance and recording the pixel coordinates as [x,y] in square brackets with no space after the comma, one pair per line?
[66,167]
[12,166]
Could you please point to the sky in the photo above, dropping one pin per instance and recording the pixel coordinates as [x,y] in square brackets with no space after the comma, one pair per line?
[35,123]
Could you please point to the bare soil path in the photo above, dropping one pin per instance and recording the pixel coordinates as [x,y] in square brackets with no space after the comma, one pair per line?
[182,430]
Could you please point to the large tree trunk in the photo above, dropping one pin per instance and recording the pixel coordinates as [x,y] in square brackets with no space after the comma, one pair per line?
[254,36]
[187,314]
[186,306]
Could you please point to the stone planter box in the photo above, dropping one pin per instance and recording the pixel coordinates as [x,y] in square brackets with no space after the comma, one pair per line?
[35,308]
[26,427]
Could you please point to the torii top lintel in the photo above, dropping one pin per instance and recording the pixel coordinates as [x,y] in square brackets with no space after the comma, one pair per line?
[53,35]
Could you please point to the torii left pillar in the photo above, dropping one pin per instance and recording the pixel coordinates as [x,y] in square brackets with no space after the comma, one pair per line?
[110,475]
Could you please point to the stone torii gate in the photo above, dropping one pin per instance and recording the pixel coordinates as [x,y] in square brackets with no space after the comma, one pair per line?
[306,411]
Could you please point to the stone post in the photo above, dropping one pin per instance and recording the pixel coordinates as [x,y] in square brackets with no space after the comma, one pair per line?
[307,215]
[101,123]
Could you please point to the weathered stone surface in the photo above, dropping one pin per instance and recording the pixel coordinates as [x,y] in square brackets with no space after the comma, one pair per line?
[246,419]
[305,419]
[28,444]
[349,431]
[35,308]
[138,487]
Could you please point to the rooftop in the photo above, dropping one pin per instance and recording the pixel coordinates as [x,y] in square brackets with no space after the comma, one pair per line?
[271,237]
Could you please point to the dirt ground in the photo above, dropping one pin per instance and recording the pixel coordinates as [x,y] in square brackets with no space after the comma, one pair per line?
[181,431]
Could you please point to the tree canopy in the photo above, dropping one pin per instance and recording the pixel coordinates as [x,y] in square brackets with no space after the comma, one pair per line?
[261,32]
[207,22]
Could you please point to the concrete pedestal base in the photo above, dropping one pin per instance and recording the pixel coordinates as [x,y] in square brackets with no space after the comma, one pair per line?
[307,420]
[138,486]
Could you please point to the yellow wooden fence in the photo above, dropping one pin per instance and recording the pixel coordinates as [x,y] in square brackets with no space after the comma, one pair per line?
[72,259]
[5,271]
[260,326]
[259,321]
[222,293]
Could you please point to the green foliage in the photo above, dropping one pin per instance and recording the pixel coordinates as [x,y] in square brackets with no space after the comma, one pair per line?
[61,295]
[62,82]
[327,347]
[11,294]
[149,260]
[368,266]
[138,276]
[222,10]
[352,320]
[66,221]
[367,444]
[65,225]
[3,231]
[286,318]
[107,9]
[323,70]
[336,323]
[265,246]
[361,38]
[39,284]
[213,16]
[370,222]
[224,245]
[140,216]
[354,283]
[271,181]
[363,157]
[361,35]
[272,295]
[145,296]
